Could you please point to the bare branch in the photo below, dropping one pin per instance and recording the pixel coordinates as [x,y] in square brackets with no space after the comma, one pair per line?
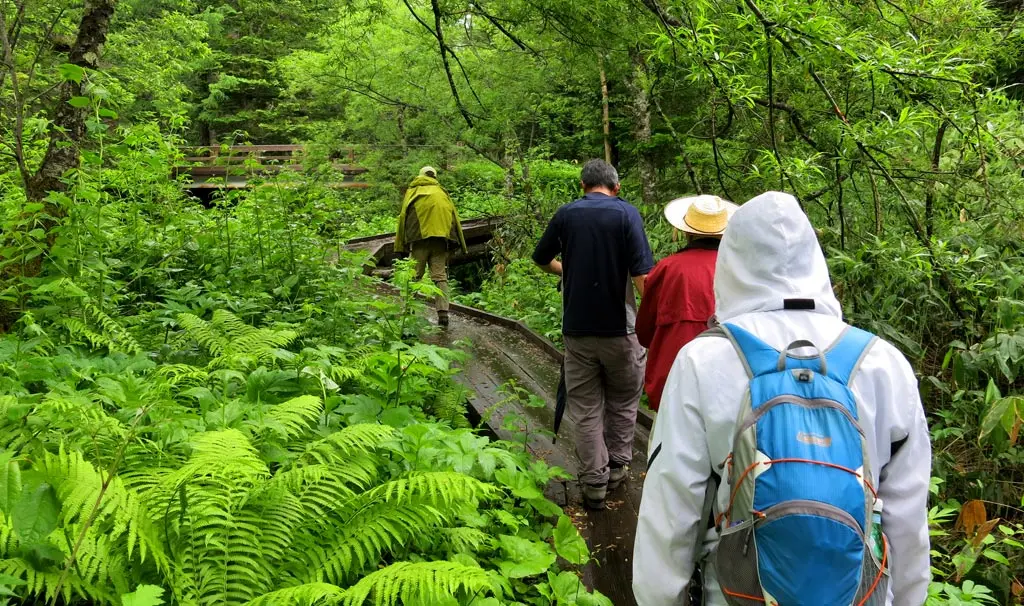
[439,36]
[501,28]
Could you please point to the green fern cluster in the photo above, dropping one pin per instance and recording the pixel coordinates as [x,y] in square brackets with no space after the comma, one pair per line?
[242,479]
[231,342]
[217,524]
[99,330]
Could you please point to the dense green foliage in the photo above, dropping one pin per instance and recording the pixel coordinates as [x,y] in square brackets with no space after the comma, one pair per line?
[199,402]
[210,403]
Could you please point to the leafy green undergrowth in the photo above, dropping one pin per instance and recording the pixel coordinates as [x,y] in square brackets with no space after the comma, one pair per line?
[198,408]
[243,464]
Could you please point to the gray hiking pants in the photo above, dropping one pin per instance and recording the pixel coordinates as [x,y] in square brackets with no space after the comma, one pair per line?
[604,377]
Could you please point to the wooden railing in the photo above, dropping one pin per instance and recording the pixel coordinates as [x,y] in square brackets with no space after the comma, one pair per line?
[233,166]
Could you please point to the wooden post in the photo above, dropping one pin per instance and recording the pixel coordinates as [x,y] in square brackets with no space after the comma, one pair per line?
[604,104]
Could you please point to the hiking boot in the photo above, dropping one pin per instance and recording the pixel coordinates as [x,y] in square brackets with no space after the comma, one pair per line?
[442,318]
[593,496]
[619,473]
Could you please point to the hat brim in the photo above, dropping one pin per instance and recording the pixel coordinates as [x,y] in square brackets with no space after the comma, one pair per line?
[675,214]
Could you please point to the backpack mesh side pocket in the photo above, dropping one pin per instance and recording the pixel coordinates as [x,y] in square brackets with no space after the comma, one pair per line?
[876,592]
[736,562]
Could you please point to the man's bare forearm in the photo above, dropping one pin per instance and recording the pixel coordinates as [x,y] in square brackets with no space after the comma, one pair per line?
[555,267]
[638,282]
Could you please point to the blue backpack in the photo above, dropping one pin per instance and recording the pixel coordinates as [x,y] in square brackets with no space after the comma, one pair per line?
[798,529]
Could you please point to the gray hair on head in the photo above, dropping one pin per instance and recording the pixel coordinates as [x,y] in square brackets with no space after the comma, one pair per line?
[598,173]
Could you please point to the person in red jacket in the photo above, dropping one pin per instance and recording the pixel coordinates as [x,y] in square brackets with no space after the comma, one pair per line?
[679,297]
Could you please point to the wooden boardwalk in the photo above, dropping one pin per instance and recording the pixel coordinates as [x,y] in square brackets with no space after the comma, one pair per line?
[502,349]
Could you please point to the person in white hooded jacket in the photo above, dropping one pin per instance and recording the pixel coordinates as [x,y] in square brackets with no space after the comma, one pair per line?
[770,269]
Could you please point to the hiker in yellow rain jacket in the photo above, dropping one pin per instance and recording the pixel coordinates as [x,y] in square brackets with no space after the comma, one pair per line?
[427,223]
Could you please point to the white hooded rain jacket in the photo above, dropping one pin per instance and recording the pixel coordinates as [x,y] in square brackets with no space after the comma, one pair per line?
[769,253]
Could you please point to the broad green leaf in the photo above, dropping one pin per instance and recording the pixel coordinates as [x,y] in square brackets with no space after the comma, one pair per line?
[397,417]
[566,587]
[545,507]
[145,595]
[524,558]
[107,113]
[519,483]
[1002,413]
[71,72]
[79,102]
[992,392]
[996,556]
[35,514]
[568,542]
[63,287]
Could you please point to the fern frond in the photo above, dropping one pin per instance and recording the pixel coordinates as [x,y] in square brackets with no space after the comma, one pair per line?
[319,489]
[449,404]
[355,439]
[383,519]
[203,333]
[230,341]
[232,326]
[181,375]
[362,539]
[82,415]
[466,540]
[296,415]
[435,487]
[79,331]
[310,594]
[43,583]
[123,340]
[116,511]
[417,583]
[226,455]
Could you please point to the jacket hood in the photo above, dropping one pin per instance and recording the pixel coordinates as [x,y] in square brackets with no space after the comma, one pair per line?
[770,254]
[422,180]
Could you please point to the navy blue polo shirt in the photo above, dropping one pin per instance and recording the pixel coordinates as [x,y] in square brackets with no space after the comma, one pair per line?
[602,242]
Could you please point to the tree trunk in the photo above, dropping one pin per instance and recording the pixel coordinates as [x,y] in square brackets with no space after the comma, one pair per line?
[401,128]
[68,129]
[642,126]
[606,120]
[67,133]
[929,200]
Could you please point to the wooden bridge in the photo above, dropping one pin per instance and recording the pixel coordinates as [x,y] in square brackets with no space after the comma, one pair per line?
[478,234]
[237,166]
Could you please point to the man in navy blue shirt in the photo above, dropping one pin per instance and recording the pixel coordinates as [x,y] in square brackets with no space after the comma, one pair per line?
[603,246]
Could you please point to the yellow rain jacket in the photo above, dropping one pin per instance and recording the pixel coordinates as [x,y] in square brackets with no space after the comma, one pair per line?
[427,212]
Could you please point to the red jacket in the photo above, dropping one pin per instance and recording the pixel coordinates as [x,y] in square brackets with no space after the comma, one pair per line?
[678,301]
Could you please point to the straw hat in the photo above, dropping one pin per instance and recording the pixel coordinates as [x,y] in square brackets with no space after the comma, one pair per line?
[428,171]
[700,215]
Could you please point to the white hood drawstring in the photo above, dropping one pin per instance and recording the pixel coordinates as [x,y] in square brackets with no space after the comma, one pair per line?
[769,254]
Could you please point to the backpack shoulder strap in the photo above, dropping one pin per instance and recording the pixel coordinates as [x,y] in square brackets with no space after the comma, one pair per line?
[757,356]
[846,354]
